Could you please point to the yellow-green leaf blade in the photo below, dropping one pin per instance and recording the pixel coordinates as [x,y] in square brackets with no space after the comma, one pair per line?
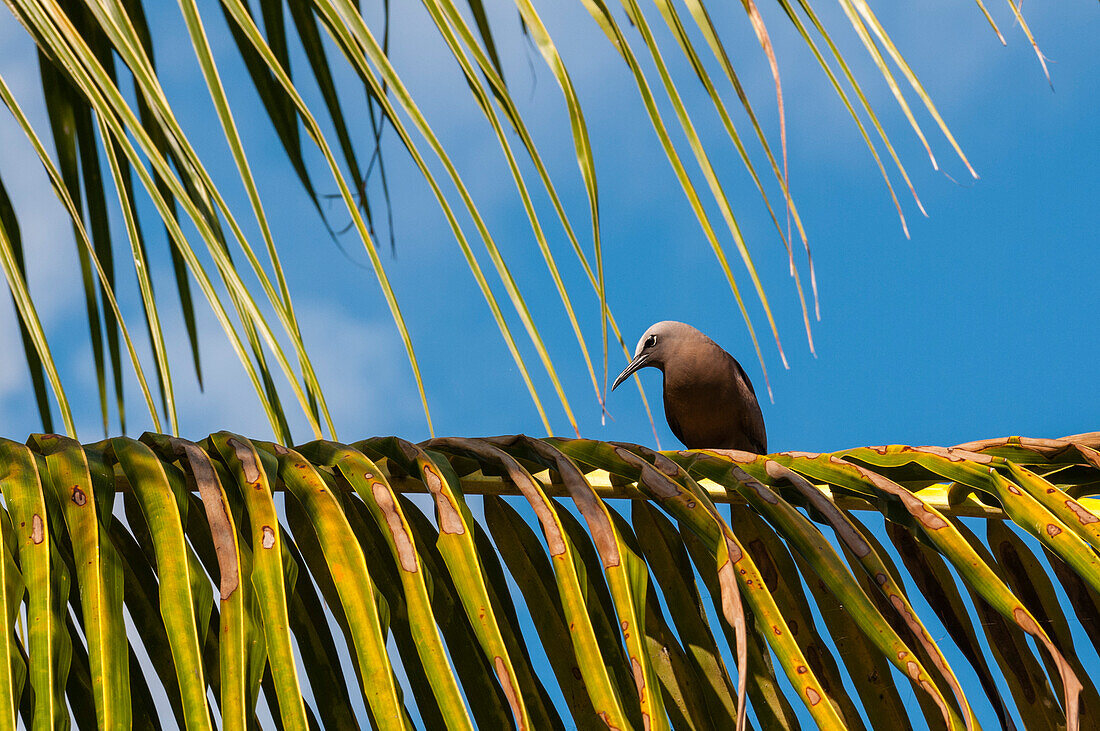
[98,571]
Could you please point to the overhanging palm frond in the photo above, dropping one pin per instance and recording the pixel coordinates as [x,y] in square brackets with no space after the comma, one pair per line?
[90,51]
[650,605]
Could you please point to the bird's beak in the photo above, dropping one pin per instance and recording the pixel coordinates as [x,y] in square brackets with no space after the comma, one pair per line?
[638,362]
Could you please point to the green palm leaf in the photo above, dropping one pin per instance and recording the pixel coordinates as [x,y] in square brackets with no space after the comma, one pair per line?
[620,607]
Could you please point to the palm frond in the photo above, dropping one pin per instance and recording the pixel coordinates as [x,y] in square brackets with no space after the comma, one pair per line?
[652,606]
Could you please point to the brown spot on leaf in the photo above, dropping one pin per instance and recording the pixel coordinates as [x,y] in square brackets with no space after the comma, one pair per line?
[551,530]
[801,669]
[639,675]
[449,519]
[735,552]
[731,599]
[1053,530]
[38,529]
[78,496]
[202,474]
[661,486]
[913,669]
[509,690]
[625,455]
[931,690]
[665,465]
[280,450]
[913,504]
[247,458]
[406,553]
[775,470]
[1083,514]
[268,539]
[606,718]
[432,480]
[963,454]
[813,696]
[921,512]
[766,493]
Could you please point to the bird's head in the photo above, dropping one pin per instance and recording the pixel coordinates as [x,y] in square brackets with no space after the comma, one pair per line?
[657,344]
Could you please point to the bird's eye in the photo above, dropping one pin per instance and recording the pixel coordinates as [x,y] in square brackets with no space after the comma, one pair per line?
[651,341]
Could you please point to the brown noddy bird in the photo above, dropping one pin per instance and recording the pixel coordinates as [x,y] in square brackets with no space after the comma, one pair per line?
[709,400]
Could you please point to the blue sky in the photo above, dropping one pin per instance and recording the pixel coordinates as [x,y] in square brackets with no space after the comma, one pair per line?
[974,327]
[979,325]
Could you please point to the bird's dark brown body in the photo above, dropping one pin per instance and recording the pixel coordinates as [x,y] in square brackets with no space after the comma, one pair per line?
[709,400]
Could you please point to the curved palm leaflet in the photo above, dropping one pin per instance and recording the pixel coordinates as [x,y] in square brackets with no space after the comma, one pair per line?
[306,582]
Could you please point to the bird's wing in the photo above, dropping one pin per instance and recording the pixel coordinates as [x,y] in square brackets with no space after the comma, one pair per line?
[744,376]
[758,446]
[673,424]
[752,423]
